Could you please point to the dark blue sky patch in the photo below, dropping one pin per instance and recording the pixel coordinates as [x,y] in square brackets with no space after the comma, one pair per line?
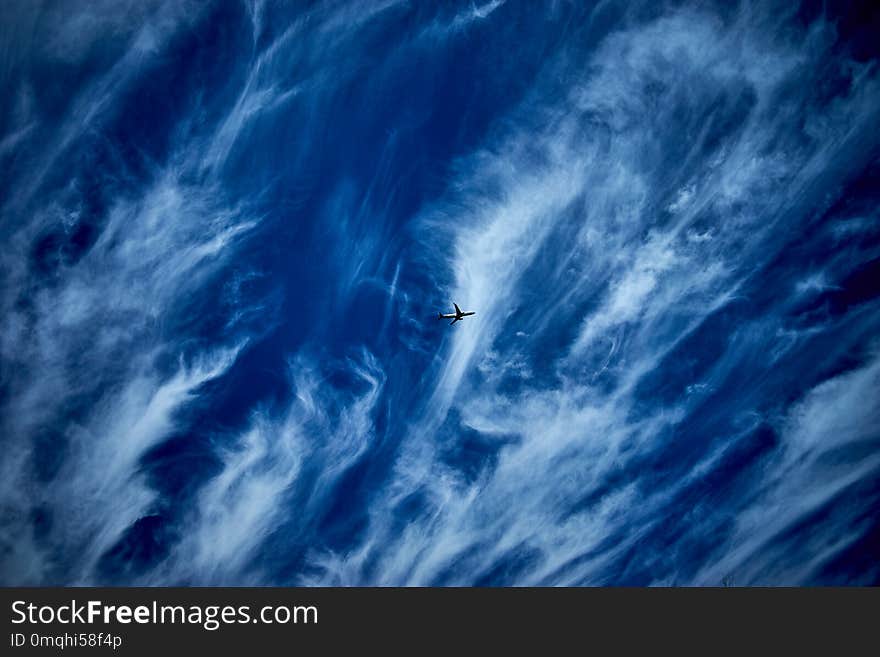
[144,546]
[470,453]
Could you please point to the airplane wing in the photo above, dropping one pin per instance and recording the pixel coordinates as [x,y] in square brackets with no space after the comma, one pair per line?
[453,321]
[457,309]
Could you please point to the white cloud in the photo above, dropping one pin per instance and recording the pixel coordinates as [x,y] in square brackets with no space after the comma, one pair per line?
[237,510]
[594,166]
[834,415]
[589,243]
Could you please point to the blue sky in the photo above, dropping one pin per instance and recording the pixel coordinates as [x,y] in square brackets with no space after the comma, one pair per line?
[229,227]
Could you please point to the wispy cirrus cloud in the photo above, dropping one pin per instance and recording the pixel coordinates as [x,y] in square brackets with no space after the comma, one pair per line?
[586,212]
[220,363]
[99,368]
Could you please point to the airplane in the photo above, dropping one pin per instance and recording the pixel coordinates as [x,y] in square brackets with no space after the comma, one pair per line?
[456,317]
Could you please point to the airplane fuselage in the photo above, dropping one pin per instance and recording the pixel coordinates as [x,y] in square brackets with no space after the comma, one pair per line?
[456,316]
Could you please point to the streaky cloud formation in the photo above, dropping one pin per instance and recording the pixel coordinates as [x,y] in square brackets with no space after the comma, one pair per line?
[229,228]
